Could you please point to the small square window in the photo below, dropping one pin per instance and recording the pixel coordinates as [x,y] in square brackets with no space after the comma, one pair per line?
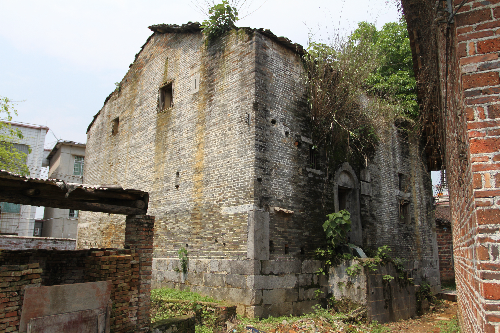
[78,166]
[73,213]
[166,97]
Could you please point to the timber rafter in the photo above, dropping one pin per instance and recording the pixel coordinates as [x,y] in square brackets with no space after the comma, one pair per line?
[56,193]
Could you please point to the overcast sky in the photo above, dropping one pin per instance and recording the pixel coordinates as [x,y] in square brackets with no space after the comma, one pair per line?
[61,58]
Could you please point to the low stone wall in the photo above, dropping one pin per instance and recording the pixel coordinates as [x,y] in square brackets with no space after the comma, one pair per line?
[259,288]
[386,296]
[262,288]
[8,242]
[13,281]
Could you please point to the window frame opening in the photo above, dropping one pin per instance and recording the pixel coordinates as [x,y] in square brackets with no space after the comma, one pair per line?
[80,162]
[166,96]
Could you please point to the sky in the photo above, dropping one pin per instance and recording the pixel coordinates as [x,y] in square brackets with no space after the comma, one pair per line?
[60,59]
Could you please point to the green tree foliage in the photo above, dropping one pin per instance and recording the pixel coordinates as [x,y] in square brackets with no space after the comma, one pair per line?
[11,159]
[336,227]
[393,78]
[221,19]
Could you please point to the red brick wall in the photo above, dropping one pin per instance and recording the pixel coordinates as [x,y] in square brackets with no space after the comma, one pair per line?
[473,158]
[445,250]
[468,105]
[13,281]
[128,269]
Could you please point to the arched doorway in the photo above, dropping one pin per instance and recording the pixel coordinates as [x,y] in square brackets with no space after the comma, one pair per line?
[346,189]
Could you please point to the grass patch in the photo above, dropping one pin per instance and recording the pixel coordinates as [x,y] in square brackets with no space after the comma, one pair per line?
[185,295]
[168,303]
[451,326]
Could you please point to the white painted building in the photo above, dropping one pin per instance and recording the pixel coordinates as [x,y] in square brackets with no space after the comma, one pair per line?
[20,219]
[66,163]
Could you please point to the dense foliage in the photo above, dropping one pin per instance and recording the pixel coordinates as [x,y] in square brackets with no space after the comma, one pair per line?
[393,79]
[11,159]
[358,87]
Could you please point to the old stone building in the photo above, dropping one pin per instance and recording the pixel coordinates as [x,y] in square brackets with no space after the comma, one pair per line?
[218,134]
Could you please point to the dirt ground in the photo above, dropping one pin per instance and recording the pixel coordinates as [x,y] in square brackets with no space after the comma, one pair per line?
[428,323]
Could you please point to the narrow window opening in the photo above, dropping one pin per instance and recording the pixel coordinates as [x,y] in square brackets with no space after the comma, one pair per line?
[302,250]
[404,212]
[287,133]
[166,97]
[286,249]
[271,246]
[114,126]
[177,174]
[314,158]
[400,181]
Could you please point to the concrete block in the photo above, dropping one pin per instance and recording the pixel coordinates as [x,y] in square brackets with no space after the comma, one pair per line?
[275,282]
[303,307]
[281,266]
[311,266]
[305,279]
[307,293]
[254,311]
[213,280]
[366,189]
[258,235]
[194,278]
[214,265]
[279,296]
[279,309]
[236,281]
[244,267]
[51,300]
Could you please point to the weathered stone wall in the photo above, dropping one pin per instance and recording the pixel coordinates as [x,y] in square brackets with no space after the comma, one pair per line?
[395,177]
[25,243]
[385,299]
[228,168]
[258,288]
[195,159]
[296,196]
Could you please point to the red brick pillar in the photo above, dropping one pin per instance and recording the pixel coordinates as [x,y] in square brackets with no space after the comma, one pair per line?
[139,238]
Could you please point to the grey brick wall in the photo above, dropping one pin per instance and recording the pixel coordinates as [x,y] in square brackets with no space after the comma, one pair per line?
[229,175]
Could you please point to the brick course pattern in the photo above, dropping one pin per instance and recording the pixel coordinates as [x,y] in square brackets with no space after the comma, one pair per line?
[128,269]
[25,243]
[13,281]
[469,91]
